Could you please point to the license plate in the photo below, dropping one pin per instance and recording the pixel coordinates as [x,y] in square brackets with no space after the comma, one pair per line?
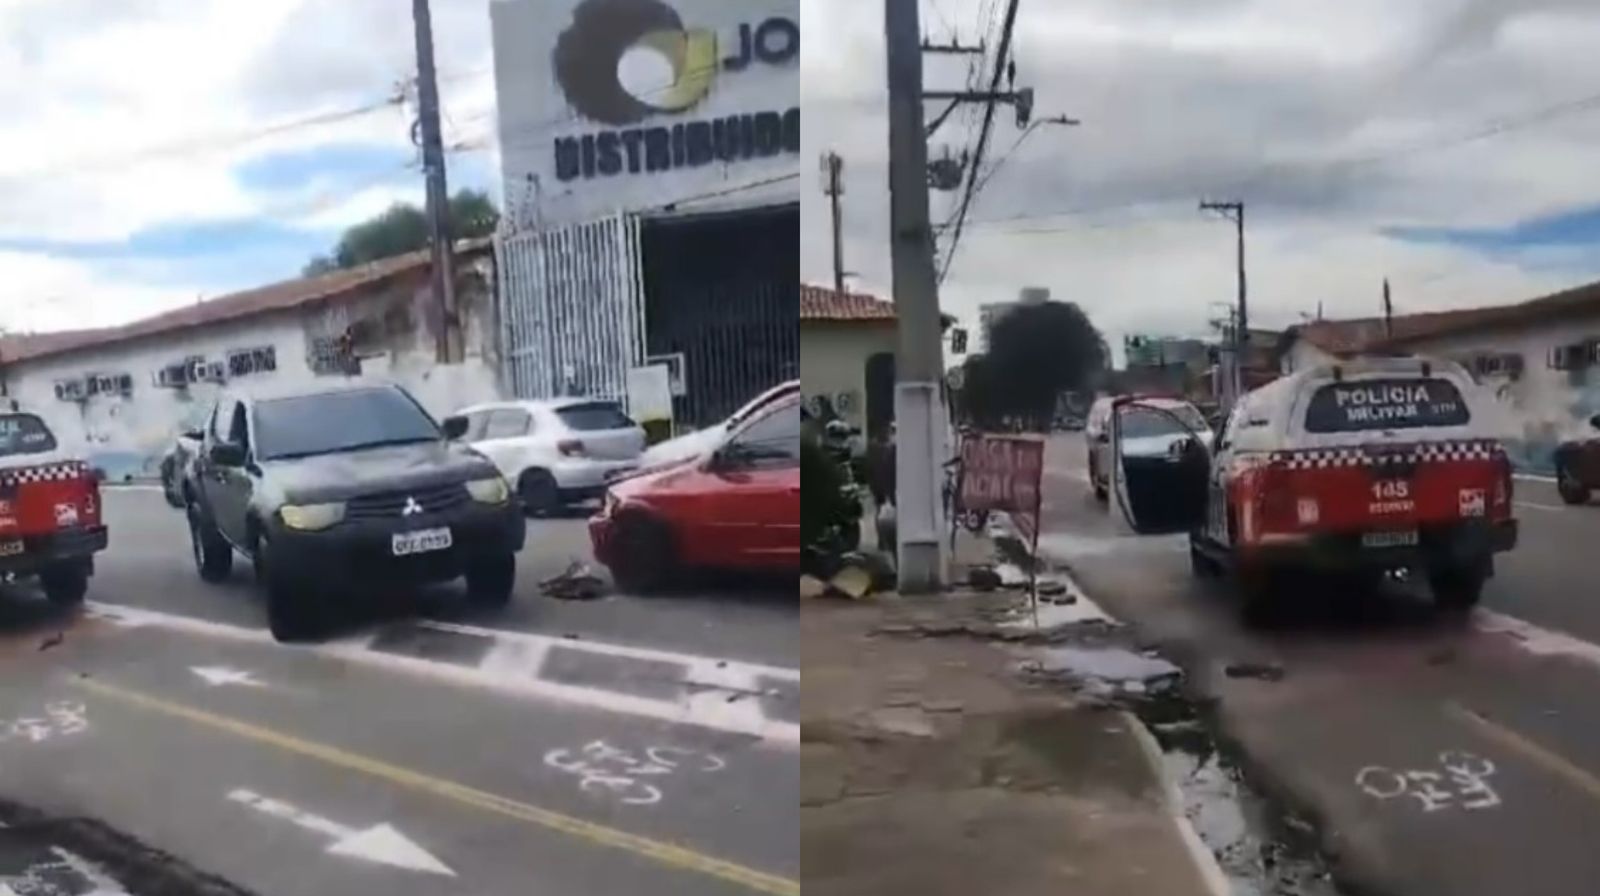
[10,547]
[1388,539]
[421,541]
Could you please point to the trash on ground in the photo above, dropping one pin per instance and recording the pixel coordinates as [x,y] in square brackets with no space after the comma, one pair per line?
[577,582]
[811,586]
[1052,587]
[854,582]
[1104,668]
[982,578]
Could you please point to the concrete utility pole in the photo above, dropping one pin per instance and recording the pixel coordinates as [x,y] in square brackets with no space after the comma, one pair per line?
[450,343]
[1388,311]
[1234,211]
[833,188]
[920,437]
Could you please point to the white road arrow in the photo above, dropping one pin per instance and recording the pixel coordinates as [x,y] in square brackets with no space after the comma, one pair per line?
[380,843]
[223,675]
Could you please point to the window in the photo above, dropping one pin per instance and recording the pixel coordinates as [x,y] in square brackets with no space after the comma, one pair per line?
[238,429]
[368,418]
[594,416]
[1385,404]
[1569,357]
[506,423]
[243,362]
[476,422]
[24,434]
[772,440]
[1140,421]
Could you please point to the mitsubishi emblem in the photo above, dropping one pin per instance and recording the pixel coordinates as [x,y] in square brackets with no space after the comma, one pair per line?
[411,508]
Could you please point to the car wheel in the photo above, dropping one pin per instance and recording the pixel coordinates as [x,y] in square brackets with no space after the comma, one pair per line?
[1258,596]
[539,493]
[213,556]
[65,584]
[1457,589]
[1203,565]
[647,561]
[290,610]
[1569,486]
[491,581]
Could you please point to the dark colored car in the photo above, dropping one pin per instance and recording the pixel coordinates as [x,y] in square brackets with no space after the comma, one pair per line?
[333,489]
[1578,466]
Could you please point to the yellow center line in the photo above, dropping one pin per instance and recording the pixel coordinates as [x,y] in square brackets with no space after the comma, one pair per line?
[655,850]
[1547,759]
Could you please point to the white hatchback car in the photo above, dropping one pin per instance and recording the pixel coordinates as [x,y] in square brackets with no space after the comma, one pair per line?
[555,452]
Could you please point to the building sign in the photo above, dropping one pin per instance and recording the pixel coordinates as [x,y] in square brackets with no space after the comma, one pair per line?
[725,114]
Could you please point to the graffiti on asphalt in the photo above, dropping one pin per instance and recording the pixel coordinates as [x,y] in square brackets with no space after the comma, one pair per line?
[1459,781]
[61,717]
[63,874]
[602,768]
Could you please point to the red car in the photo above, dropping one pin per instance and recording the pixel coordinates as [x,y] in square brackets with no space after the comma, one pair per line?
[734,507]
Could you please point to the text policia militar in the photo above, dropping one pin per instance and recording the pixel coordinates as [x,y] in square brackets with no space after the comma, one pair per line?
[689,145]
[694,144]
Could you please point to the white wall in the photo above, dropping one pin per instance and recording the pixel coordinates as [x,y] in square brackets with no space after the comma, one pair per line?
[535,113]
[128,435]
[833,360]
[1302,354]
[1546,405]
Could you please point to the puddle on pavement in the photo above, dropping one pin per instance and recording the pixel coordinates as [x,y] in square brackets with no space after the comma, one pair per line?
[1262,850]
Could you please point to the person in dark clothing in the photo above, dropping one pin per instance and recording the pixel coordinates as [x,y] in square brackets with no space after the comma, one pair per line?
[880,459]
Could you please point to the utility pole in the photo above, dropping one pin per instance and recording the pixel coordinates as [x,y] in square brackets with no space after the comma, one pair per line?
[450,344]
[1234,211]
[833,188]
[1388,312]
[920,434]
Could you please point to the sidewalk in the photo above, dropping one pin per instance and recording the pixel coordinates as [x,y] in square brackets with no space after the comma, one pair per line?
[929,767]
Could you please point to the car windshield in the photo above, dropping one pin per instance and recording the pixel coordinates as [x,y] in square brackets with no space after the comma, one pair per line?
[339,421]
[1374,404]
[1143,421]
[593,417]
[24,434]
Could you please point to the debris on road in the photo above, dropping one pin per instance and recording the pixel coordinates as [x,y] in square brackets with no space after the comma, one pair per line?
[811,586]
[1103,669]
[577,582]
[983,578]
[53,641]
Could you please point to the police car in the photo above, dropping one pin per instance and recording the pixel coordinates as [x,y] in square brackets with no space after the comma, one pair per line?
[50,525]
[1364,467]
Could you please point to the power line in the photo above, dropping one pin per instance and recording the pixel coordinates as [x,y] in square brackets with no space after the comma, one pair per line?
[983,136]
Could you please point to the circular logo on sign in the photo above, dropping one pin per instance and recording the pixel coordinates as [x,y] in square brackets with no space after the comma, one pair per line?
[590,51]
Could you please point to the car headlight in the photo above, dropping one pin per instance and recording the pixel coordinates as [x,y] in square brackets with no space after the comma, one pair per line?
[311,517]
[489,491]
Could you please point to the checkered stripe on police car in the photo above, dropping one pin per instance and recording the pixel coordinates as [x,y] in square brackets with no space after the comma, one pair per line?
[45,473]
[1323,458]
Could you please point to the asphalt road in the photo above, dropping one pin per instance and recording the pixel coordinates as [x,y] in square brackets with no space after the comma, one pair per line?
[1436,755]
[618,746]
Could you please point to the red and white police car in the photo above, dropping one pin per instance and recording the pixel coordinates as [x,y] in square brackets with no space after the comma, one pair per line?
[1377,464]
[50,524]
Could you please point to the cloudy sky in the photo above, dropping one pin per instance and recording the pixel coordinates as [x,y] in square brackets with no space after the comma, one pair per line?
[1446,144]
[156,151]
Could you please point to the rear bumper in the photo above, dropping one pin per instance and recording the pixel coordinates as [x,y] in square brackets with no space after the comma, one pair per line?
[588,477]
[1454,544]
[39,551]
[360,553]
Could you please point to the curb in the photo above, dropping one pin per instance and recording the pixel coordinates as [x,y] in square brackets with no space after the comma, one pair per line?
[1205,861]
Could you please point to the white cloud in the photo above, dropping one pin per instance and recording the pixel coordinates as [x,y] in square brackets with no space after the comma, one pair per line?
[115,110]
[1182,99]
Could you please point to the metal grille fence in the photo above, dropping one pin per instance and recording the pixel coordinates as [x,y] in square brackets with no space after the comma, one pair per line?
[571,308]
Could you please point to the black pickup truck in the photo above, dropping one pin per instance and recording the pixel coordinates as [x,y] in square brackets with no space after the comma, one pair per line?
[332,490]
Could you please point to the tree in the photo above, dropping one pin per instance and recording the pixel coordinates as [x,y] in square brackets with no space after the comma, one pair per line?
[1037,352]
[403,228]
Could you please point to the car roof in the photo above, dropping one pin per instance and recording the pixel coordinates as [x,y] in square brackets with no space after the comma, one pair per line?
[536,404]
[275,391]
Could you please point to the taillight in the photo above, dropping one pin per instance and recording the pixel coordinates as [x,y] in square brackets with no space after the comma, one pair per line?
[1279,509]
[570,448]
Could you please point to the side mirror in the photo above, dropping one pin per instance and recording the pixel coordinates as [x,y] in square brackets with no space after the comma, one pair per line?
[196,434]
[454,427]
[1595,421]
[99,473]
[1162,492]
[227,454]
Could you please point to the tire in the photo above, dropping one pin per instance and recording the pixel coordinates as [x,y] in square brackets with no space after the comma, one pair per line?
[65,584]
[1571,489]
[213,556]
[291,610]
[1258,596]
[539,493]
[1457,589]
[648,560]
[1200,563]
[492,581]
